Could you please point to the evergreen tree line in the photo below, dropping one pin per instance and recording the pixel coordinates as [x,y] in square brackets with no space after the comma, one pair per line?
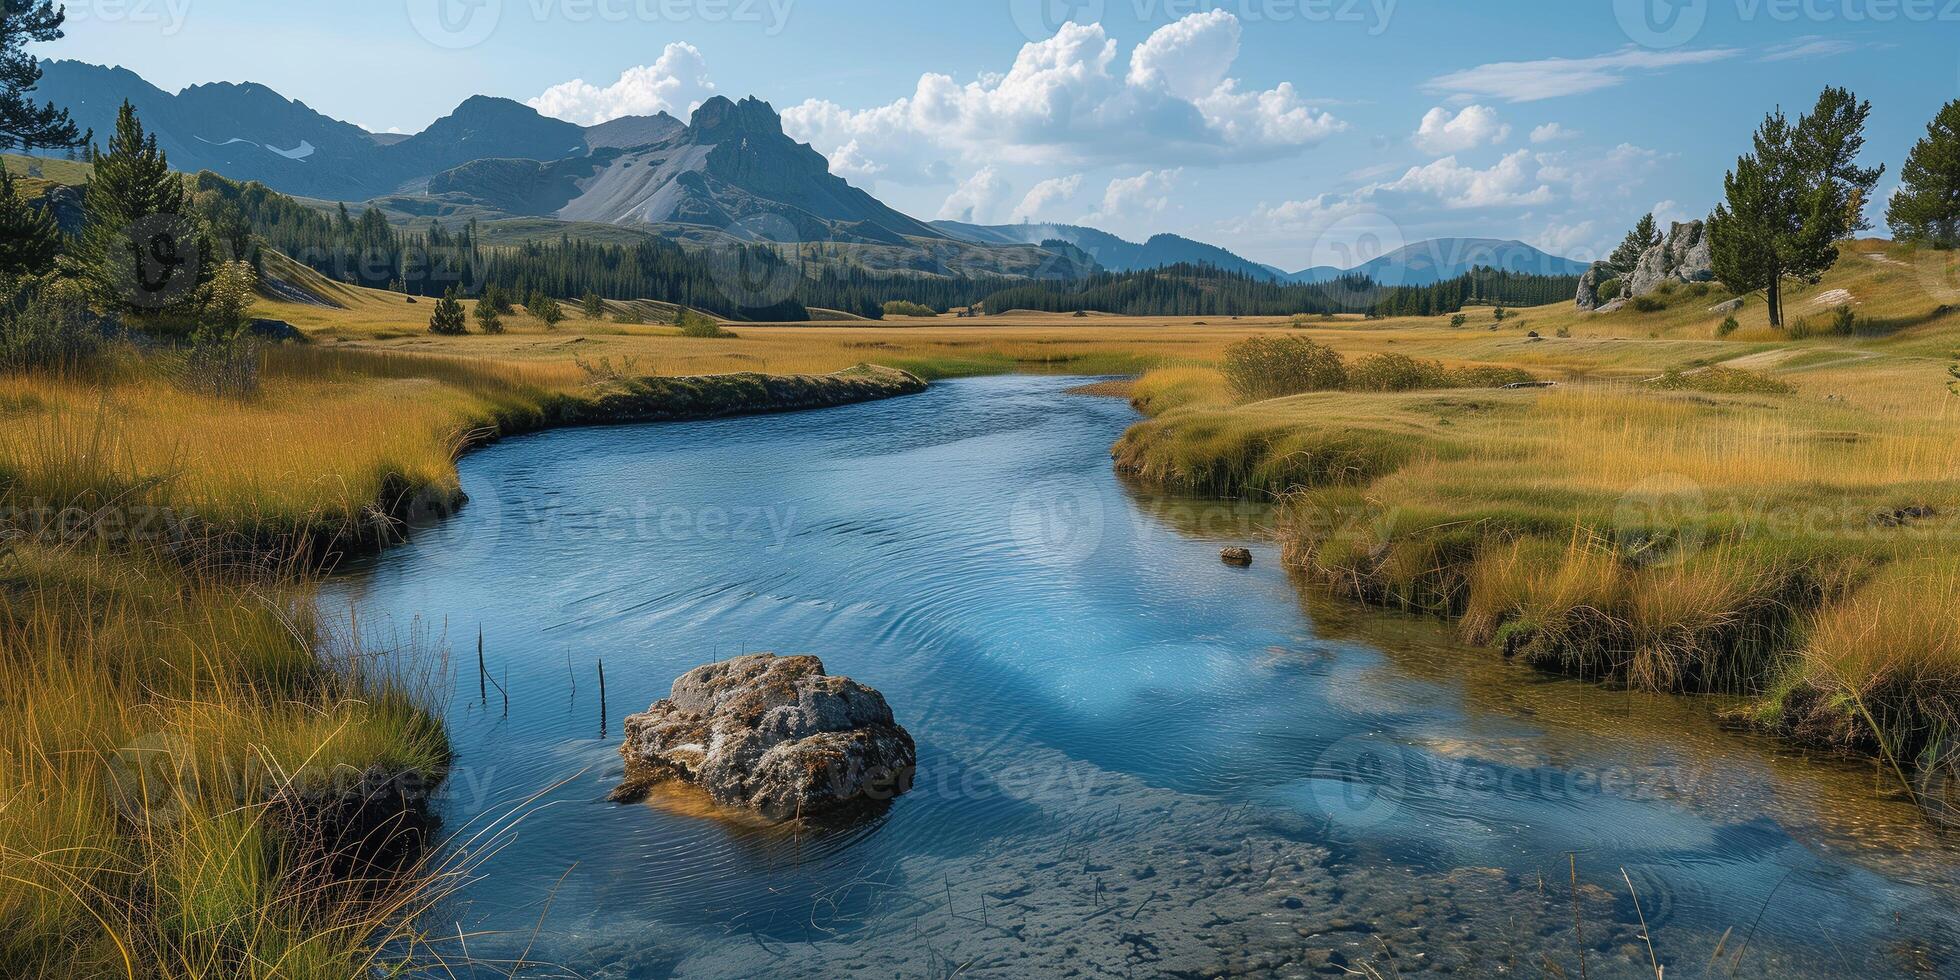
[1198,290]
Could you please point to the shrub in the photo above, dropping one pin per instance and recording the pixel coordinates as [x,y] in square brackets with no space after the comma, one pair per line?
[1458,321]
[1727,327]
[226,368]
[1565,333]
[228,302]
[1648,304]
[1394,372]
[1499,314]
[40,330]
[1722,381]
[905,307]
[1844,322]
[488,319]
[1798,329]
[1486,376]
[1610,289]
[1273,367]
[1699,290]
[702,326]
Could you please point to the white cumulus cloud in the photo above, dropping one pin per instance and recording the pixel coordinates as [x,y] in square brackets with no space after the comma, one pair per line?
[1475,126]
[978,199]
[1067,100]
[1128,198]
[675,83]
[1553,133]
[1044,197]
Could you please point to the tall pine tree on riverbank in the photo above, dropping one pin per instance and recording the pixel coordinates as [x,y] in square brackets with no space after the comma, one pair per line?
[143,253]
[1926,210]
[1790,202]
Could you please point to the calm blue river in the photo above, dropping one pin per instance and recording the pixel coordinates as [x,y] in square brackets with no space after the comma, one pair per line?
[1134,760]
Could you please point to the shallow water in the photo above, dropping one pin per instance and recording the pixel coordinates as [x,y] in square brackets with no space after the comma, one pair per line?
[1134,760]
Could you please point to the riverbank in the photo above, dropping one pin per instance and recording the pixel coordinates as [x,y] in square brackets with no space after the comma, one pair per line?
[1787,539]
[201,781]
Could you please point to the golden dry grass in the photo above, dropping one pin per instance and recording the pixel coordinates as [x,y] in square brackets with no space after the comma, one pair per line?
[1667,538]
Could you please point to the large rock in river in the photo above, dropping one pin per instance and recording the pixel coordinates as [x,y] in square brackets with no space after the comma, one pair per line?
[773,734]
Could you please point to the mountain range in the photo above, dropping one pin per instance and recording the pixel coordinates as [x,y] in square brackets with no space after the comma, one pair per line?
[728,171]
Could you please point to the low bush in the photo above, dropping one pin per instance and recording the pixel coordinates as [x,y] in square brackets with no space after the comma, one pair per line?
[1727,327]
[702,326]
[1844,322]
[1722,381]
[1394,372]
[40,330]
[905,307]
[1258,368]
[1648,304]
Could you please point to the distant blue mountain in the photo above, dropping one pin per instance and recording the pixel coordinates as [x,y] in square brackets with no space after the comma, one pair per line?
[1109,251]
[1433,261]
[1421,264]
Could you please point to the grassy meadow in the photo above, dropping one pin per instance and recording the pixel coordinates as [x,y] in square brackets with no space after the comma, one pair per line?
[1693,508]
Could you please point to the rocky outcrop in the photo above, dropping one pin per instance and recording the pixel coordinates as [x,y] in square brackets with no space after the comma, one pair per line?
[1600,274]
[771,734]
[1683,257]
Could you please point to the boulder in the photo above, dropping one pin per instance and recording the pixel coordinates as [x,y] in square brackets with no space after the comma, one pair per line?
[1241,557]
[1595,277]
[1725,309]
[771,734]
[1684,256]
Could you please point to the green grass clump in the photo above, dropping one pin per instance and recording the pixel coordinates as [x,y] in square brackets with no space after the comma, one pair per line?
[702,327]
[1723,381]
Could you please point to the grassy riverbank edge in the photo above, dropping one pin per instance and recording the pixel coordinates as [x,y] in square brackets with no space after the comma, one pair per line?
[1624,533]
[202,779]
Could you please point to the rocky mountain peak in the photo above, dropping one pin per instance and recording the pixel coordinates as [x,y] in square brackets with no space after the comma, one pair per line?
[720,119]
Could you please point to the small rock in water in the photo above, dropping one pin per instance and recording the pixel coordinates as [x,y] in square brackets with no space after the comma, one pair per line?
[772,734]
[1241,557]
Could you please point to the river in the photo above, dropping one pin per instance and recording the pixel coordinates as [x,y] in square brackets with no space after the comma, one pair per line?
[1133,759]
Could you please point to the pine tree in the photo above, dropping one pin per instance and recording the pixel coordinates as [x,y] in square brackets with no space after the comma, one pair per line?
[28,236]
[488,319]
[1788,203]
[593,306]
[448,319]
[1926,210]
[142,251]
[1645,235]
[23,123]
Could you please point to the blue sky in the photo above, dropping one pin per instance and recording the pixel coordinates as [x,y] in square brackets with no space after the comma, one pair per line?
[1297,132]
